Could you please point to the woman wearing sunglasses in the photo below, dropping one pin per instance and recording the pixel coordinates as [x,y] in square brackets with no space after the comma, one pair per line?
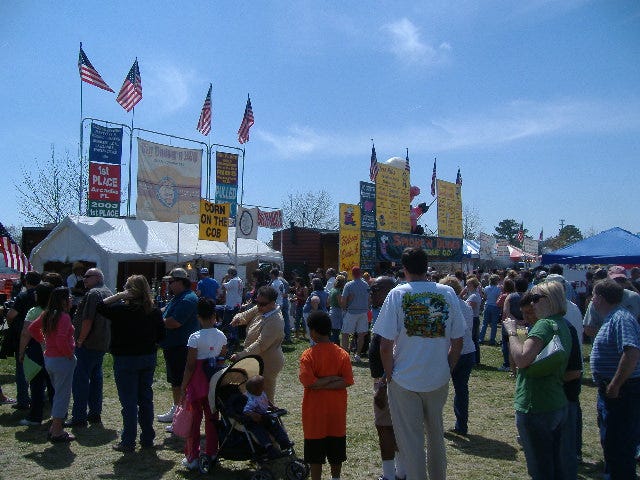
[540,401]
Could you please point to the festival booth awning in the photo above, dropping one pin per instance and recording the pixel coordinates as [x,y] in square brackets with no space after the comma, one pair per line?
[470,248]
[516,254]
[109,241]
[611,246]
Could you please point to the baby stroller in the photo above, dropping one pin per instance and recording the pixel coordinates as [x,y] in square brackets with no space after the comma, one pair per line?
[226,395]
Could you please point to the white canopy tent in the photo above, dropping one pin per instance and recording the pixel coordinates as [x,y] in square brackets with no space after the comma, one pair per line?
[109,241]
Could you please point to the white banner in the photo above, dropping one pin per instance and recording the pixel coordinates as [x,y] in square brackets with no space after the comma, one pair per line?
[169,181]
[247,223]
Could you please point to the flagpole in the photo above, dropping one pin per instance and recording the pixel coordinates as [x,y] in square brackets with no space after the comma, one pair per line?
[81,146]
[133,114]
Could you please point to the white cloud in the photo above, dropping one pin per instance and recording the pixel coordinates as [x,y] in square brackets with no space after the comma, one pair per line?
[167,86]
[512,122]
[406,43]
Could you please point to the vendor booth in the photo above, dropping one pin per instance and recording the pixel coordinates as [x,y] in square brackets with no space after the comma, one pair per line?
[108,242]
[613,246]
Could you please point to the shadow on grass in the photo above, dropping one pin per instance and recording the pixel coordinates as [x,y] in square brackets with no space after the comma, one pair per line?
[590,471]
[94,435]
[55,457]
[140,465]
[6,378]
[484,447]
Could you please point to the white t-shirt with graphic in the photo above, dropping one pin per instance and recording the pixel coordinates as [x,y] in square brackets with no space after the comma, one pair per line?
[421,318]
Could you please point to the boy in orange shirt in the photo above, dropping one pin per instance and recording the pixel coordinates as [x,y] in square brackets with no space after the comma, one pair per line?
[325,373]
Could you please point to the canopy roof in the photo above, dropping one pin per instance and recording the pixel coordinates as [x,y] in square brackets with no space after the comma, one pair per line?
[108,241]
[611,246]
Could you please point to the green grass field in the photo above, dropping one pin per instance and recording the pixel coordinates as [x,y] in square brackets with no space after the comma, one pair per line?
[491,451]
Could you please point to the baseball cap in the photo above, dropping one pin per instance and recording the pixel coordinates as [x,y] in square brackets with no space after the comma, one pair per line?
[204,271]
[176,273]
[617,271]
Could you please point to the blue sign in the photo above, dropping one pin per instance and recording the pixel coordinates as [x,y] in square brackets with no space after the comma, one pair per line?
[105,145]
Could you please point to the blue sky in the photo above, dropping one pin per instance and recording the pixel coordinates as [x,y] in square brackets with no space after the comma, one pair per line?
[537,102]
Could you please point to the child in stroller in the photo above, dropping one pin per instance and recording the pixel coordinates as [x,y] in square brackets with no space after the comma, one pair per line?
[236,430]
[262,419]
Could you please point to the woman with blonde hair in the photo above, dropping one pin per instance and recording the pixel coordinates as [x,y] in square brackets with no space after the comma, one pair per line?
[540,401]
[136,329]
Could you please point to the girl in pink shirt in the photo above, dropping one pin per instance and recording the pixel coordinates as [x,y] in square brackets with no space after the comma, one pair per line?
[54,330]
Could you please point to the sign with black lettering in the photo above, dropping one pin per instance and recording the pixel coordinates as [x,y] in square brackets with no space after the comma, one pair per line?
[214,221]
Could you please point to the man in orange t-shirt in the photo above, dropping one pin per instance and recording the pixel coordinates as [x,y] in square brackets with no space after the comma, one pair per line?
[325,373]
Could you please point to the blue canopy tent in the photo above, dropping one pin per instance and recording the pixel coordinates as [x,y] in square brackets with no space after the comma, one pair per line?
[614,246]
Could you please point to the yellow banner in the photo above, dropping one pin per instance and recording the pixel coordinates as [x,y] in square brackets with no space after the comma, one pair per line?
[392,199]
[349,249]
[449,209]
[214,221]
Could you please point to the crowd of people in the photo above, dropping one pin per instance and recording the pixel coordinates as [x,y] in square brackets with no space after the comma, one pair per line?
[417,328]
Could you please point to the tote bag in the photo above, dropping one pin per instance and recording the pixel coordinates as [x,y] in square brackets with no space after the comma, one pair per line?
[183,420]
[550,358]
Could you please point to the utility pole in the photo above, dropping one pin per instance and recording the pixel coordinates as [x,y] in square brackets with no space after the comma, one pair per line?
[561,224]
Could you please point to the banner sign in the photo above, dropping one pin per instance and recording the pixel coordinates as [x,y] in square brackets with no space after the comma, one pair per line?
[439,249]
[101,208]
[349,248]
[368,251]
[105,145]
[227,180]
[368,205]
[247,223]
[214,221]
[104,182]
[169,180]
[449,209]
[272,219]
[392,199]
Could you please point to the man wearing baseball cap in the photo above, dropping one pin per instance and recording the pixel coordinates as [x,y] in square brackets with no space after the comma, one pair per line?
[207,286]
[180,321]
[630,300]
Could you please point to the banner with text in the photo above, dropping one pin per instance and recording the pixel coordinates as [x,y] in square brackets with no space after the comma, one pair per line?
[105,154]
[214,221]
[439,249]
[449,209]
[349,249]
[368,205]
[227,180]
[392,199]
[368,251]
[169,180]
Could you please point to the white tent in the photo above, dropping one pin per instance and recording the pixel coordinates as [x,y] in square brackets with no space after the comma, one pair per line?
[108,241]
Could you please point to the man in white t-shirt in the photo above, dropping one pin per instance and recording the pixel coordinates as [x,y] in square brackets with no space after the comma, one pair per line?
[234,289]
[421,326]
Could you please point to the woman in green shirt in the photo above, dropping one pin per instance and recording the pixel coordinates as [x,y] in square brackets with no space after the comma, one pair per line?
[540,402]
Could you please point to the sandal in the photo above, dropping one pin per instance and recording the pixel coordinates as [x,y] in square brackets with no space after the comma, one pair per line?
[8,401]
[64,437]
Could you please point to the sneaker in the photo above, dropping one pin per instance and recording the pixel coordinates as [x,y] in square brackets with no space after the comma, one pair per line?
[504,369]
[356,358]
[25,422]
[8,401]
[167,417]
[168,429]
[190,465]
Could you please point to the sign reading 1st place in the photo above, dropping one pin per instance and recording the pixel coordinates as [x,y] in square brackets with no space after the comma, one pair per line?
[214,221]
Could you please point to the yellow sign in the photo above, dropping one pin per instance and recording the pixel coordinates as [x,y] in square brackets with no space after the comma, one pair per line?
[392,199]
[214,221]
[349,236]
[349,216]
[449,209]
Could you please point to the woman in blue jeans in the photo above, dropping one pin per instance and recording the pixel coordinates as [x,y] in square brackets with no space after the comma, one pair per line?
[136,329]
[540,402]
[462,371]
[491,310]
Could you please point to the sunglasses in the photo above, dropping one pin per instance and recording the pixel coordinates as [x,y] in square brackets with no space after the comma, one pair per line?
[536,297]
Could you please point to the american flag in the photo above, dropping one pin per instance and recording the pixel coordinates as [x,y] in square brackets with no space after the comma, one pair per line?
[541,234]
[433,179]
[270,219]
[373,169]
[459,178]
[204,123]
[521,233]
[407,168]
[247,122]
[131,91]
[89,74]
[13,256]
